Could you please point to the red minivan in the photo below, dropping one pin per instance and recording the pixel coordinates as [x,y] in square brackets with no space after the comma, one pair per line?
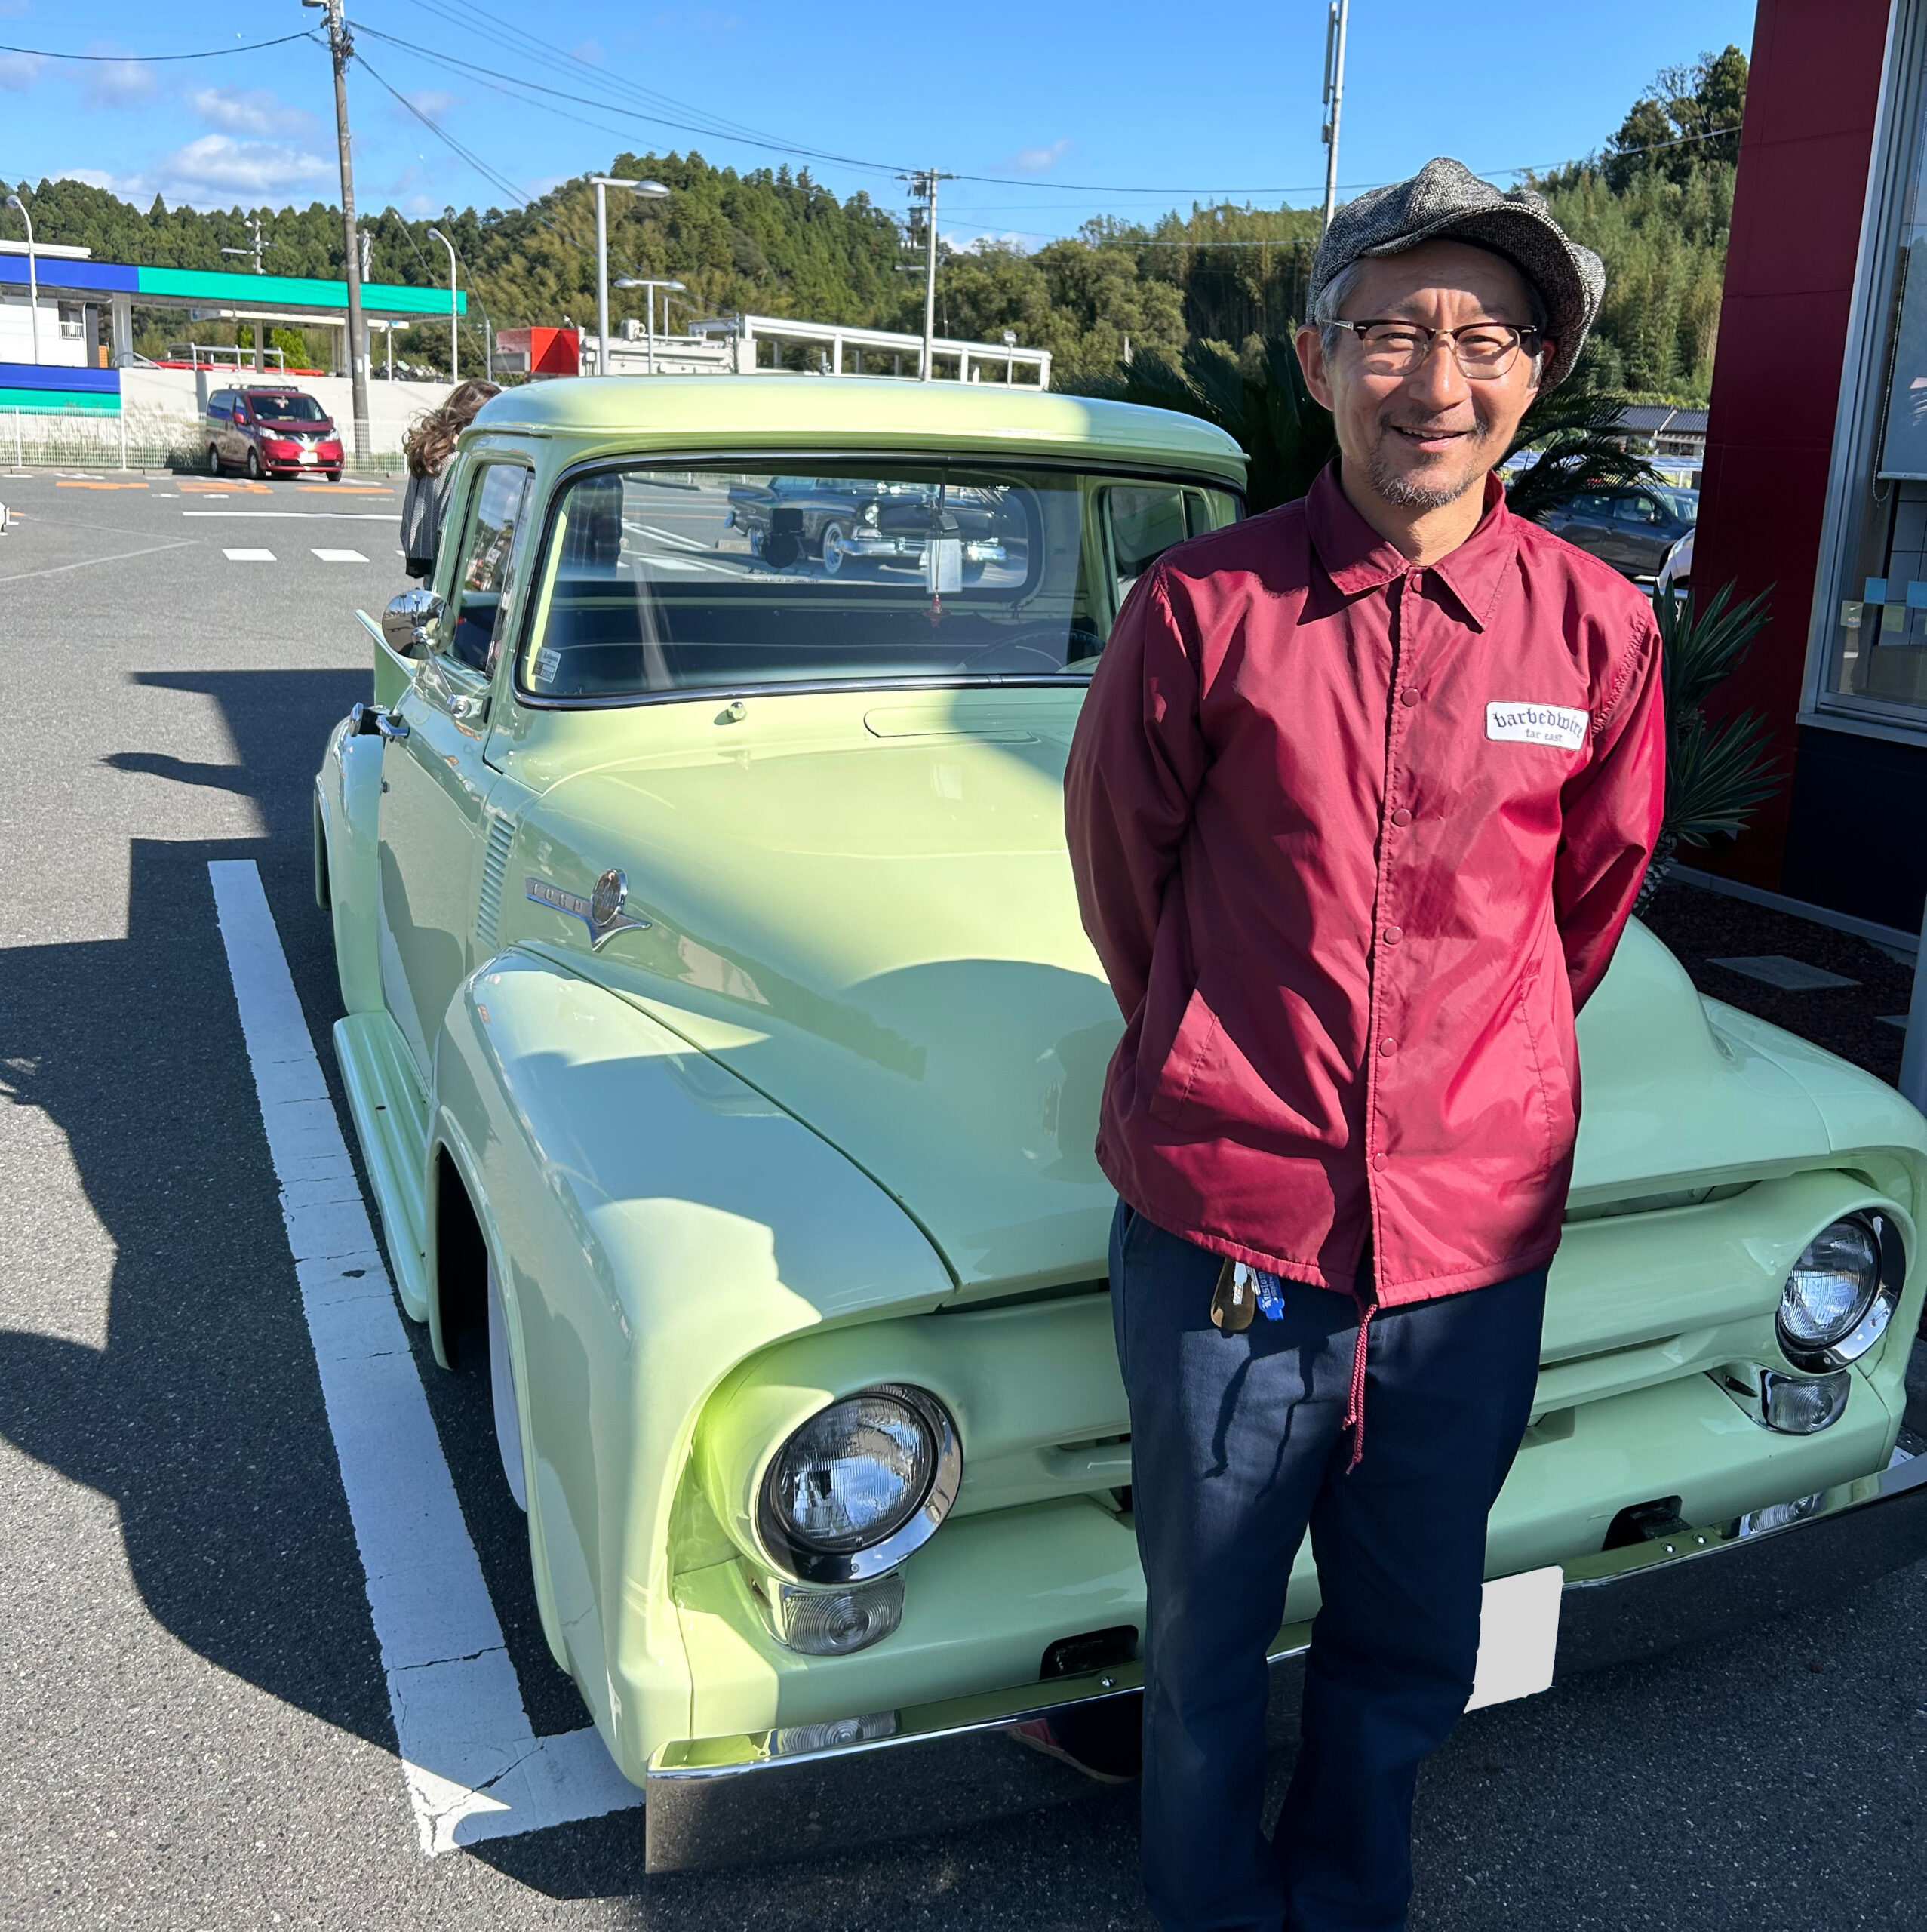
[270,432]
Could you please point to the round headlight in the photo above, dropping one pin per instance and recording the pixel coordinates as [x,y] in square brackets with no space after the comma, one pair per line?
[861,1485]
[1840,1295]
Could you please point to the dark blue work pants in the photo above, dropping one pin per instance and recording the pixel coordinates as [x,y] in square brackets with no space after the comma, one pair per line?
[1237,1445]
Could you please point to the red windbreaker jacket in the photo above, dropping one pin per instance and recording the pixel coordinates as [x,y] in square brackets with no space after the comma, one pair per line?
[1354,841]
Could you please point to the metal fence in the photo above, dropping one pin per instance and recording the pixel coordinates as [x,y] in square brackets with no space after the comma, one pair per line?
[113,439]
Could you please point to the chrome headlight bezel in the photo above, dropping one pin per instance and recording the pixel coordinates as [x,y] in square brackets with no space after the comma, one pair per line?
[1820,1358]
[795,1556]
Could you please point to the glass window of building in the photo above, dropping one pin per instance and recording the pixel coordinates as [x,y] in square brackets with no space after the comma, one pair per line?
[1869,660]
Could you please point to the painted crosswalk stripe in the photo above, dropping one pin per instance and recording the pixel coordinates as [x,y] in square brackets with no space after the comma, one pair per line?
[474,1767]
[341,556]
[249,556]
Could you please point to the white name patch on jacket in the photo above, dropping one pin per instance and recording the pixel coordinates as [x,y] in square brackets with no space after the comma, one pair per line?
[1556,724]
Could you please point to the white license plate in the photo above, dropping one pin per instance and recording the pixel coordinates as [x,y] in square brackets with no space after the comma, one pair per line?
[1518,1637]
[307,456]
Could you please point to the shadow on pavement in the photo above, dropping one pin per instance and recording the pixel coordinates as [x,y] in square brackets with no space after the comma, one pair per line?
[202,1416]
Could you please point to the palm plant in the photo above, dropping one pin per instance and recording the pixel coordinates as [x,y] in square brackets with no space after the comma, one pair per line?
[1571,431]
[1717,775]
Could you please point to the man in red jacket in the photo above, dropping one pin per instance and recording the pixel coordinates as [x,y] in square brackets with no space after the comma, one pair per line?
[1358,804]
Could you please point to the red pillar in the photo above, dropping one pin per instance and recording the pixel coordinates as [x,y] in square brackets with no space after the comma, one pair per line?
[1805,153]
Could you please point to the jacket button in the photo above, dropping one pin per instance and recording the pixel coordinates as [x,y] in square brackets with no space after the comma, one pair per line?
[1388,1047]
[1377,1163]
[1401,817]
[1408,697]
[1392,934]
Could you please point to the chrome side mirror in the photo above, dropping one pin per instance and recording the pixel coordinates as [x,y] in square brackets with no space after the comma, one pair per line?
[412,621]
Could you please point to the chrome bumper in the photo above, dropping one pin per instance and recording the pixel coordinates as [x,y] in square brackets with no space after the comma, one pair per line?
[744,1800]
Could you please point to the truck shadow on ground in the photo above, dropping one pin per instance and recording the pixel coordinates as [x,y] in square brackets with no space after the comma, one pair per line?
[202,1417]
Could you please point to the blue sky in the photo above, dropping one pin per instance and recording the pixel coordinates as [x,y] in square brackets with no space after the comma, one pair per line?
[1071,105]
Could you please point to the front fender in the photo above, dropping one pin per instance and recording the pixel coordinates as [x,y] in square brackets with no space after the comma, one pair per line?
[348,817]
[653,1220]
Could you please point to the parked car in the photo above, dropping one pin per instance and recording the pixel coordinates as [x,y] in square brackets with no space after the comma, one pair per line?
[837,522]
[1676,573]
[270,432]
[725,1050]
[1632,529]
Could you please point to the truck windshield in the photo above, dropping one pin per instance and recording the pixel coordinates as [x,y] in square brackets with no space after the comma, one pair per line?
[286,409]
[655,580]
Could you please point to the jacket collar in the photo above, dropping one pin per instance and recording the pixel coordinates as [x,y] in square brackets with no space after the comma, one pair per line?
[1357,558]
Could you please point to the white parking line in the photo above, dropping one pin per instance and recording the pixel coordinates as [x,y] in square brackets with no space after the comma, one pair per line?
[474,1767]
[310,516]
[340,556]
[249,556]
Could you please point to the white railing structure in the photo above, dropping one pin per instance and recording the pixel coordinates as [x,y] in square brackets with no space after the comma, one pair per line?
[751,344]
[112,439]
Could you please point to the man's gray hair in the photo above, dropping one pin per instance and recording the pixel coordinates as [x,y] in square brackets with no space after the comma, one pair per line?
[1328,311]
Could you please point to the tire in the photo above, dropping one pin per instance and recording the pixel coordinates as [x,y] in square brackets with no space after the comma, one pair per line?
[333,476]
[214,460]
[254,466]
[828,547]
[502,1388]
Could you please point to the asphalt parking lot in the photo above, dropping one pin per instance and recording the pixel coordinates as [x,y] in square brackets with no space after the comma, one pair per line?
[195,1728]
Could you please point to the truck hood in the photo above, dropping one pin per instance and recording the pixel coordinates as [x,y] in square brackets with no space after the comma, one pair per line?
[879,932]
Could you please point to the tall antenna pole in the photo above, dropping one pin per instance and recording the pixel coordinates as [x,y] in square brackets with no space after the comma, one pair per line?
[342,50]
[1335,27]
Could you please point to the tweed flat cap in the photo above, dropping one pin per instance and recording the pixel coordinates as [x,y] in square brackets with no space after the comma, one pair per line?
[1444,201]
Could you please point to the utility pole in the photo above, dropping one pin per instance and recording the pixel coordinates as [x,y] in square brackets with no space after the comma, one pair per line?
[342,49]
[924,188]
[1335,27]
[254,228]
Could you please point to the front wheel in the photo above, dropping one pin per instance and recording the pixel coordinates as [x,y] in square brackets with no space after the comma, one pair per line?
[214,460]
[502,1385]
[830,548]
[334,475]
[254,465]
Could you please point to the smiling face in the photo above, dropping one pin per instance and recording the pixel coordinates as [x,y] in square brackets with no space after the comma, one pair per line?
[1421,440]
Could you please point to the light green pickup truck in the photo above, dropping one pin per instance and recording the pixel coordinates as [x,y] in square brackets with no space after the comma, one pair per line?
[725,1051]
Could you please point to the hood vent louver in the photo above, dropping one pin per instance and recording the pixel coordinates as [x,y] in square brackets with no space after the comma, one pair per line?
[495,868]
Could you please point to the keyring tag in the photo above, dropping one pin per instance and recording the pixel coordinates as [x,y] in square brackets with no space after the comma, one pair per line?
[1234,1300]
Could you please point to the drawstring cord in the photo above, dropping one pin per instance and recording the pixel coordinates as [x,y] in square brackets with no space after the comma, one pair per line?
[1354,1414]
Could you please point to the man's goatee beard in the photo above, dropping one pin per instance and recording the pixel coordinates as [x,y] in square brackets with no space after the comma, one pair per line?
[1396,488]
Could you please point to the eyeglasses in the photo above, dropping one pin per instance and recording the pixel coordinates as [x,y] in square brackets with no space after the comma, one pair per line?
[1483,350]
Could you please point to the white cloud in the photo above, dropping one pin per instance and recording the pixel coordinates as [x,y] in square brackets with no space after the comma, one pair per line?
[432,102]
[119,83]
[214,171]
[13,9]
[249,111]
[18,71]
[1035,160]
[590,50]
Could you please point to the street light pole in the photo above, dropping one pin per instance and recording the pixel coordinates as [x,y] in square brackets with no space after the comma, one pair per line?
[648,191]
[1334,98]
[342,49]
[645,281]
[454,343]
[33,274]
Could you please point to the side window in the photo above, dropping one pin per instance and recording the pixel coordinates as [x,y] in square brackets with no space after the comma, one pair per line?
[217,404]
[1637,509]
[1142,521]
[1591,507]
[484,591]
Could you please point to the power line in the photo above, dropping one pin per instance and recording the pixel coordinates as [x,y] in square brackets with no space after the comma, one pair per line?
[147,60]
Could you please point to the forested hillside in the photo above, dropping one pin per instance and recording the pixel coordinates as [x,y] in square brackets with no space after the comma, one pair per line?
[1656,205]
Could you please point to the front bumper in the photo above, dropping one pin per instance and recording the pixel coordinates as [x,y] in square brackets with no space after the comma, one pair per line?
[733,1800]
